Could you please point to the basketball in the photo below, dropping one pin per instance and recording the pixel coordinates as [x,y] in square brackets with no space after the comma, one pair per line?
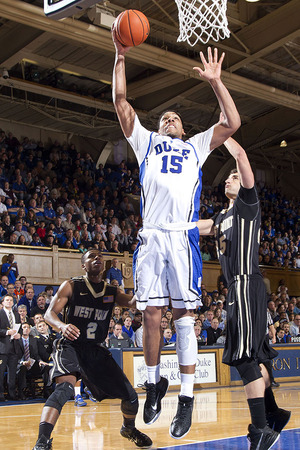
[132,28]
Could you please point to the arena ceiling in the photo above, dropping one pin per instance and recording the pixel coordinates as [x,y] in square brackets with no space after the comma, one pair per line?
[60,73]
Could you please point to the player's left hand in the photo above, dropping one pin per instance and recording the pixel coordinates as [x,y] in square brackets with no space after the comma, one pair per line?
[70,331]
[212,67]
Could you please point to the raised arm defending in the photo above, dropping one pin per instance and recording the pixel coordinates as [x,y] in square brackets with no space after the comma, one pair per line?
[231,118]
[242,163]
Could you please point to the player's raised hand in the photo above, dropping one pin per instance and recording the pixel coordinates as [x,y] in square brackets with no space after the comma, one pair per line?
[70,332]
[212,66]
[120,49]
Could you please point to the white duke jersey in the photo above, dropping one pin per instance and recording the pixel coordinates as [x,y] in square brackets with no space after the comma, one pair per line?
[170,174]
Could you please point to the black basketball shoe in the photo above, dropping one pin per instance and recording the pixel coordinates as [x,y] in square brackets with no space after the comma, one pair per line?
[278,419]
[262,438]
[155,393]
[182,422]
[132,434]
[43,443]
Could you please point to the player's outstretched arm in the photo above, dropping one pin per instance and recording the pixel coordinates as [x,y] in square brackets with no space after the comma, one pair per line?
[123,299]
[242,163]
[205,227]
[56,306]
[212,73]
[124,110]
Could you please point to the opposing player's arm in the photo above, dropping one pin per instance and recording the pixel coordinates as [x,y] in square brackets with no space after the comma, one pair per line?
[56,306]
[231,118]
[205,227]
[242,163]
[125,112]
[123,299]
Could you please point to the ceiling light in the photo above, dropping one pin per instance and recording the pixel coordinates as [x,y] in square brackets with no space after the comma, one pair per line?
[283,144]
[252,1]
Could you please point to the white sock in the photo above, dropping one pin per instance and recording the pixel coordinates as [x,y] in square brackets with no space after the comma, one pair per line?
[153,374]
[77,390]
[187,384]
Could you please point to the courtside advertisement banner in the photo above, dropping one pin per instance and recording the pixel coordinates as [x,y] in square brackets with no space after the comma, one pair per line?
[169,368]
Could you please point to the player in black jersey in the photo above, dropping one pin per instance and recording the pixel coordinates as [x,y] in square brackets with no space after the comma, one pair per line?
[87,303]
[237,234]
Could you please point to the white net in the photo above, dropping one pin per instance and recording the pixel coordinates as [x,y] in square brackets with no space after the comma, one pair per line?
[202,20]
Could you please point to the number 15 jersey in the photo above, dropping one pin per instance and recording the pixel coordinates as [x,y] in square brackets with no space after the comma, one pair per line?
[170,174]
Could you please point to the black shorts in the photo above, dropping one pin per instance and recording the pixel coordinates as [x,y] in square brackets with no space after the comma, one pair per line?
[247,322]
[93,364]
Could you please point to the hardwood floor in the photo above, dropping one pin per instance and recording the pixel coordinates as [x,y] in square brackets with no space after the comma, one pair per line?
[218,413]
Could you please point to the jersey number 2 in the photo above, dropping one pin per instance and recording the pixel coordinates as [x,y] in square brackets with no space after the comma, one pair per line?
[175,163]
[91,330]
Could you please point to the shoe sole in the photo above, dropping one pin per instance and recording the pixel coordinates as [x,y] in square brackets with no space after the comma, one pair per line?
[273,427]
[154,418]
[179,437]
[158,414]
[274,441]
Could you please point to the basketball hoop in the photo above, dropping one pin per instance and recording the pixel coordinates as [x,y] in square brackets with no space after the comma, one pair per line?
[202,20]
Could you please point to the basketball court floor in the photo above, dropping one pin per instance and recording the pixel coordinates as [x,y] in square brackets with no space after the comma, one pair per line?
[220,421]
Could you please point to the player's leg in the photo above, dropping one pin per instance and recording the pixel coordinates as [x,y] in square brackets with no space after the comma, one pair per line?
[156,386]
[152,294]
[187,349]
[184,280]
[78,400]
[107,380]
[260,435]
[277,418]
[63,392]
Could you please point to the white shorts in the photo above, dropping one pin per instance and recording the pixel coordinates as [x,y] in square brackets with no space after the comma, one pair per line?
[167,264]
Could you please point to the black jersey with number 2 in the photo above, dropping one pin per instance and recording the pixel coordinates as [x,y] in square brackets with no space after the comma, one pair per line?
[237,234]
[90,309]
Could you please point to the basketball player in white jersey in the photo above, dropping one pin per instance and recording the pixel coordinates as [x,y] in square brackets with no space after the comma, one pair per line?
[167,261]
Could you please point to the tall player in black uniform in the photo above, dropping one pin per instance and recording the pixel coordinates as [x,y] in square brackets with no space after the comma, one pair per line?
[87,303]
[237,235]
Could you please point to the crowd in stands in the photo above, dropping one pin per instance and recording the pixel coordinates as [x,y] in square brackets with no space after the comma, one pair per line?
[57,196]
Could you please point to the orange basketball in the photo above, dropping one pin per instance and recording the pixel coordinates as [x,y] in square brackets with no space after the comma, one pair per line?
[132,28]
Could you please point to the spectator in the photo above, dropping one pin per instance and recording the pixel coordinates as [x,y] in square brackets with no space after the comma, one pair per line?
[127,328]
[31,364]
[10,269]
[8,346]
[41,306]
[280,338]
[28,300]
[201,335]
[49,212]
[66,238]
[19,231]
[19,292]
[49,294]
[114,273]
[45,340]
[36,241]
[137,320]
[213,332]
[169,338]
[295,326]
[22,310]
[119,339]
[208,320]
[3,285]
